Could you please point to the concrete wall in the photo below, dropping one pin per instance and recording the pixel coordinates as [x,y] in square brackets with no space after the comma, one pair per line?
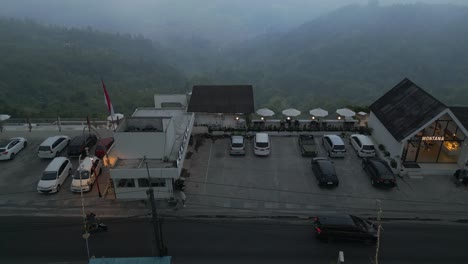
[382,136]
[135,145]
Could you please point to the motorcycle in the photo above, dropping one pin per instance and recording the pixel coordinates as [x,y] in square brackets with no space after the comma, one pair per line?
[94,224]
[461,177]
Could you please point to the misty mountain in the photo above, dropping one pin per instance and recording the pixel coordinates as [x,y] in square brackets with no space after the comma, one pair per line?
[355,54]
[49,70]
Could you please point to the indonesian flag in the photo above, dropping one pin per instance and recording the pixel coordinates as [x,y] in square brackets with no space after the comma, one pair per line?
[107,100]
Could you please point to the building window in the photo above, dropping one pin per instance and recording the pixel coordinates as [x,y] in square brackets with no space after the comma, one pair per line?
[123,183]
[155,182]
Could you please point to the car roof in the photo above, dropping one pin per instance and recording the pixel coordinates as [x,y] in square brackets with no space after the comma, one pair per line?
[381,166]
[50,140]
[337,140]
[237,139]
[261,137]
[326,166]
[55,163]
[87,163]
[365,140]
[105,141]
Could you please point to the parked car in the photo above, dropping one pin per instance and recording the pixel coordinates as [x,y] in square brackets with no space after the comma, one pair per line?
[10,147]
[84,177]
[55,175]
[307,145]
[362,145]
[324,171]
[103,146]
[52,146]
[461,175]
[262,144]
[237,145]
[380,173]
[79,143]
[334,146]
[347,227]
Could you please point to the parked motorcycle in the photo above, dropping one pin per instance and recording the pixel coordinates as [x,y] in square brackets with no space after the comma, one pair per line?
[94,224]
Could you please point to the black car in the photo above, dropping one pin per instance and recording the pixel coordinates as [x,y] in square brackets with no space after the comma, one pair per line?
[324,172]
[461,175]
[380,173]
[348,227]
[79,143]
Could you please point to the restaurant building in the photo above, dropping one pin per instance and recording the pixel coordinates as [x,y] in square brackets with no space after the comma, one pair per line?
[421,133]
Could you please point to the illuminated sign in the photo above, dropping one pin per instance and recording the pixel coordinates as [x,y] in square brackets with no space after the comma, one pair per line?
[433,138]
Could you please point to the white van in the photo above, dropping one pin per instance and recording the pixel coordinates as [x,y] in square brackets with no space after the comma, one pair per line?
[262,144]
[52,146]
[84,177]
[363,145]
[334,145]
[55,175]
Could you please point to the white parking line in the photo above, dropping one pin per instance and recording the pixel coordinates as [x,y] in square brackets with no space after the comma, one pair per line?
[207,168]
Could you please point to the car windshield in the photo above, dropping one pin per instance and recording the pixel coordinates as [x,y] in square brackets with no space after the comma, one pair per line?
[49,175]
[44,148]
[339,147]
[262,144]
[237,145]
[100,147]
[368,147]
[326,167]
[84,175]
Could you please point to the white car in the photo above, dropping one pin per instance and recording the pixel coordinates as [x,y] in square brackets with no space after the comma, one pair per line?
[55,175]
[362,145]
[52,146]
[10,148]
[86,174]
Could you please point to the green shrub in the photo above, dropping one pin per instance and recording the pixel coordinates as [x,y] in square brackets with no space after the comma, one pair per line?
[393,163]
[386,153]
[381,147]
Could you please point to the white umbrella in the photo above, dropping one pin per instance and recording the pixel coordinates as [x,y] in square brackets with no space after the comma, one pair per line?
[115,117]
[318,112]
[345,112]
[362,113]
[4,117]
[291,112]
[265,112]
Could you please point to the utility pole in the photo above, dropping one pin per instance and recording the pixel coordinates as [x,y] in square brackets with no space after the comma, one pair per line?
[158,236]
[379,227]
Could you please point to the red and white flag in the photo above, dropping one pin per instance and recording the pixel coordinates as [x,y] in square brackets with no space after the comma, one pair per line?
[110,108]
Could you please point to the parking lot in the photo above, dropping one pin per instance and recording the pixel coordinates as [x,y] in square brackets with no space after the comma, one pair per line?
[19,178]
[284,182]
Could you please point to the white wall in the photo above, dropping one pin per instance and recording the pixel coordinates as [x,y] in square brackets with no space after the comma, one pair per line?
[224,120]
[382,136]
[135,145]
[170,138]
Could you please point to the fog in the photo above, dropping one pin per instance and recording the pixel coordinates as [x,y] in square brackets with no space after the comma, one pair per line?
[219,21]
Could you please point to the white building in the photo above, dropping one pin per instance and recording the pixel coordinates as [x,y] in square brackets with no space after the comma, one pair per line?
[422,134]
[152,141]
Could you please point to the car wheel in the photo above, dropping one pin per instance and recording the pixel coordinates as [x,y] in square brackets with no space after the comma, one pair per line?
[329,154]
[58,188]
[57,154]
[12,156]
[69,172]
[25,144]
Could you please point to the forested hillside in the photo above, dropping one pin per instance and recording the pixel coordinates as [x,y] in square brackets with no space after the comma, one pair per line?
[50,71]
[354,55]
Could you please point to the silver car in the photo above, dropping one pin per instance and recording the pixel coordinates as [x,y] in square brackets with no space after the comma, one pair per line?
[10,148]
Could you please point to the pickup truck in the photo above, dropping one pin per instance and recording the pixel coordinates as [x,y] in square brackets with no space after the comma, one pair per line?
[307,146]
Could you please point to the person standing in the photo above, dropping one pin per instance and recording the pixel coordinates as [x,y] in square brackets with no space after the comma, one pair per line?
[183,197]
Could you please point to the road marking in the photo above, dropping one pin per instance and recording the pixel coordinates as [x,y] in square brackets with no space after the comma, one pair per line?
[207,168]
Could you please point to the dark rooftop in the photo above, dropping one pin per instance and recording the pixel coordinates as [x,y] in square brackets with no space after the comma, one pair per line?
[230,99]
[461,112]
[406,108]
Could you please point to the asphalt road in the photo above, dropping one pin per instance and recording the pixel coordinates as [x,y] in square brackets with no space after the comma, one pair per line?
[54,240]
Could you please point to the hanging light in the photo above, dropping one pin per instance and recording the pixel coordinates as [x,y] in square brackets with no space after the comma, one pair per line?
[262,118]
[313,117]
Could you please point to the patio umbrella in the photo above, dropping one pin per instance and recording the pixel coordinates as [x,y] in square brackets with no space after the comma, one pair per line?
[265,112]
[362,113]
[115,117]
[318,112]
[345,112]
[4,117]
[291,112]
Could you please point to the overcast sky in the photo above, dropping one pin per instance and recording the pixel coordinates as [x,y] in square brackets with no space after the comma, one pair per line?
[222,19]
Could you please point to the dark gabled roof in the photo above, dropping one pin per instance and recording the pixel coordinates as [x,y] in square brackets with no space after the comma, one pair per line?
[461,112]
[222,99]
[406,108]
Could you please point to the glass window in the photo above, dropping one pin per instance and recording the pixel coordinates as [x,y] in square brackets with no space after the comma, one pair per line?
[124,183]
[143,182]
[158,182]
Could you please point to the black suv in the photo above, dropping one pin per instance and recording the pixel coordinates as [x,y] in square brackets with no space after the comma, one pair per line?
[79,143]
[380,173]
[348,227]
[324,172]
